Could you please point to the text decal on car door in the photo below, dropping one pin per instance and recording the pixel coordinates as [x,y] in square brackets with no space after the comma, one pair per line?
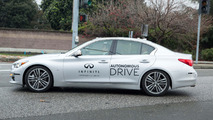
[123,70]
[89,70]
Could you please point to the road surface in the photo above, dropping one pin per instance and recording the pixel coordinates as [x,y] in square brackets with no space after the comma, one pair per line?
[17,103]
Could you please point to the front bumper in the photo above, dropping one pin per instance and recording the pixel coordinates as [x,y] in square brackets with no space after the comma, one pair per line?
[15,78]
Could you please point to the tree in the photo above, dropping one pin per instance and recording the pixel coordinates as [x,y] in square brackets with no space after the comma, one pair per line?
[207,39]
[40,22]
[112,18]
[58,13]
[17,13]
[171,18]
[211,7]
[171,23]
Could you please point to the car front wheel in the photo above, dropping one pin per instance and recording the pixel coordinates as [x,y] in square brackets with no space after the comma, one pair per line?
[155,83]
[38,79]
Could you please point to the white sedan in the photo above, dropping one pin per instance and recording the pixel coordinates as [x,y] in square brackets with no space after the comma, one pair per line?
[121,63]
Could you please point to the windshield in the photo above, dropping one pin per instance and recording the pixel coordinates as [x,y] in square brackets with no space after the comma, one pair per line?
[76,47]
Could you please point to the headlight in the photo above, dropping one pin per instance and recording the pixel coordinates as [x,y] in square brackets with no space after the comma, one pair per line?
[18,64]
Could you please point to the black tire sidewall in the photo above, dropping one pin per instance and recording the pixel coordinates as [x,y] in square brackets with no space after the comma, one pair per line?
[26,79]
[149,93]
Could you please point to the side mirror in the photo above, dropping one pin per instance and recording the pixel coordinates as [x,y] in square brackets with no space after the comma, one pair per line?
[77,53]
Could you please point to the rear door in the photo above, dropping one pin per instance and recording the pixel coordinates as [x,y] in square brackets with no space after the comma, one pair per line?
[131,58]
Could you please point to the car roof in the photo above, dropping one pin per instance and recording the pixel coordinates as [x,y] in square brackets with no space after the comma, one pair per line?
[129,39]
[124,38]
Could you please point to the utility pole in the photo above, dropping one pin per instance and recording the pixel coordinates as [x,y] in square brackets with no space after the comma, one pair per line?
[204,8]
[75,22]
[198,38]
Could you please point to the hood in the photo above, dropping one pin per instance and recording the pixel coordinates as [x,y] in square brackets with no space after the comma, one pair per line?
[43,56]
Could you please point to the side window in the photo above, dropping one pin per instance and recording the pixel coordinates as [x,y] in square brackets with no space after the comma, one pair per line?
[97,48]
[146,49]
[128,48]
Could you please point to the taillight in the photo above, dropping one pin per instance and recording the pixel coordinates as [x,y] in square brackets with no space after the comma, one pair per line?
[186,61]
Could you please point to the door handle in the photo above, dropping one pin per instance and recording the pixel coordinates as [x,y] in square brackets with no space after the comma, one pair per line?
[144,61]
[103,61]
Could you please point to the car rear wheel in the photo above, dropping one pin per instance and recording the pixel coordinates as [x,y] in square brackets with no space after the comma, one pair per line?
[155,83]
[38,79]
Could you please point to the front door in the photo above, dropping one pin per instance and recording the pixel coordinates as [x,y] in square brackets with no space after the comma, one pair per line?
[91,66]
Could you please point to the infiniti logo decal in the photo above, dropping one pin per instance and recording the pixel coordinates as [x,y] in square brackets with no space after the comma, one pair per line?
[89,65]
[89,71]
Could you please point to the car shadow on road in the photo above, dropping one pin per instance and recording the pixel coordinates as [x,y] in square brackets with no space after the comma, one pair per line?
[170,93]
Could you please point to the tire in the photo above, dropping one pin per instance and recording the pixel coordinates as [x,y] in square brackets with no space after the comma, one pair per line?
[38,79]
[155,83]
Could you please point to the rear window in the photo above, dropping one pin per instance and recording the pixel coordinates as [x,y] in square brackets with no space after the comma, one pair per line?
[128,48]
[133,48]
[146,49]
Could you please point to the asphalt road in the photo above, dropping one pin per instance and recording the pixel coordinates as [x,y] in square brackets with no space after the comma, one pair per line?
[89,104]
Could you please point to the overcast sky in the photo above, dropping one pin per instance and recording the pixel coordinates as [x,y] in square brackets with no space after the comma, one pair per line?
[38,2]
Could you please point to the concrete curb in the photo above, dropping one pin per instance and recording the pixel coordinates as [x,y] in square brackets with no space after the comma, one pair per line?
[203,66]
[27,50]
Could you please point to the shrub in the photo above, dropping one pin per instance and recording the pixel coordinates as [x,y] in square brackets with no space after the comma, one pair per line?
[207,54]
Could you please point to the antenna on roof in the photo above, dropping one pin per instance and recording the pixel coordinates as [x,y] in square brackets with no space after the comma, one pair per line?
[131,34]
[144,30]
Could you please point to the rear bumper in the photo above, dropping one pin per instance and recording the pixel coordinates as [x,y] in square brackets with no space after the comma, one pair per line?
[184,79]
[185,83]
